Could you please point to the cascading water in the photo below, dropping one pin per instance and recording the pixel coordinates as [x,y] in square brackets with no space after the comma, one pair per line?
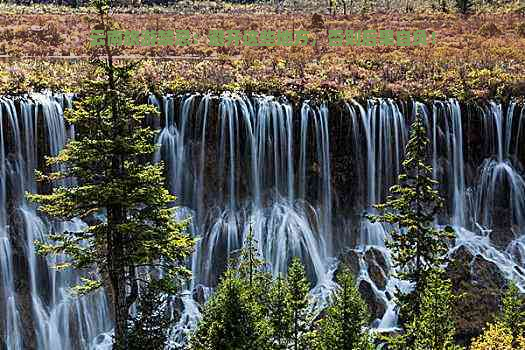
[262,164]
[493,200]
[40,311]
[382,130]
[255,139]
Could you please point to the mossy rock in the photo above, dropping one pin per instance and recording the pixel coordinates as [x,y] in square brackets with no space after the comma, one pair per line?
[480,284]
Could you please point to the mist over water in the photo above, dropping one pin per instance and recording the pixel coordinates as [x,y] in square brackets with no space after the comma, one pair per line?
[299,176]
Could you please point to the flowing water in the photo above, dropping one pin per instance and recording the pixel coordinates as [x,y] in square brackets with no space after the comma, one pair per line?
[300,177]
[39,310]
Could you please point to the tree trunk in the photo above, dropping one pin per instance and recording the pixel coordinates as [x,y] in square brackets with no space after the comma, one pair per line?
[118,283]
[116,251]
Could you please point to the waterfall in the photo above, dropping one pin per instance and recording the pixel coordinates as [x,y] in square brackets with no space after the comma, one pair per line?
[500,183]
[271,170]
[383,130]
[46,306]
[11,321]
[445,129]
[299,175]
[500,195]
[255,179]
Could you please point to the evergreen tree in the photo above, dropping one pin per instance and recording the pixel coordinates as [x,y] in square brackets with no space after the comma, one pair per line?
[149,328]
[249,263]
[434,327]
[297,301]
[231,320]
[417,246]
[279,314]
[464,6]
[343,327]
[109,160]
[236,317]
[250,270]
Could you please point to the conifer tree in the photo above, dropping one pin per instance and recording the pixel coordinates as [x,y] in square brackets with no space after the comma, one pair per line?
[250,268]
[297,301]
[231,320]
[279,314]
[417,246]
[149,326]
[236,317]
[434,327]
[343,327]
[464,6]
[109,159]
[249,262]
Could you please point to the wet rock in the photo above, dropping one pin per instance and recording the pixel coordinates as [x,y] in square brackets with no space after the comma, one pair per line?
[199,294]
[375,261]
[374,254]
[501,237]
[474,269]
[377,267]
[480,283]
[377,275]
[516,250]
[177,307]
[376,306]
[462,254]
[350,258]
[487,274]
[503,231]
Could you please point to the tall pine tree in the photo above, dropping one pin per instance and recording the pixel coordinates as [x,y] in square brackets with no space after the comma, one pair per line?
[249,262]
[297,300]
[110,161]
[279,314]
[236,317]
[434,327]
[231,320]
[343,327]
[417,246]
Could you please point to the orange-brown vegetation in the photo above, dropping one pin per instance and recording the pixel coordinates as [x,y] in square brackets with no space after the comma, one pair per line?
[475,56]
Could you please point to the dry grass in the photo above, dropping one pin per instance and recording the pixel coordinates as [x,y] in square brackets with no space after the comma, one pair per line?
[477,56]
[457,37]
